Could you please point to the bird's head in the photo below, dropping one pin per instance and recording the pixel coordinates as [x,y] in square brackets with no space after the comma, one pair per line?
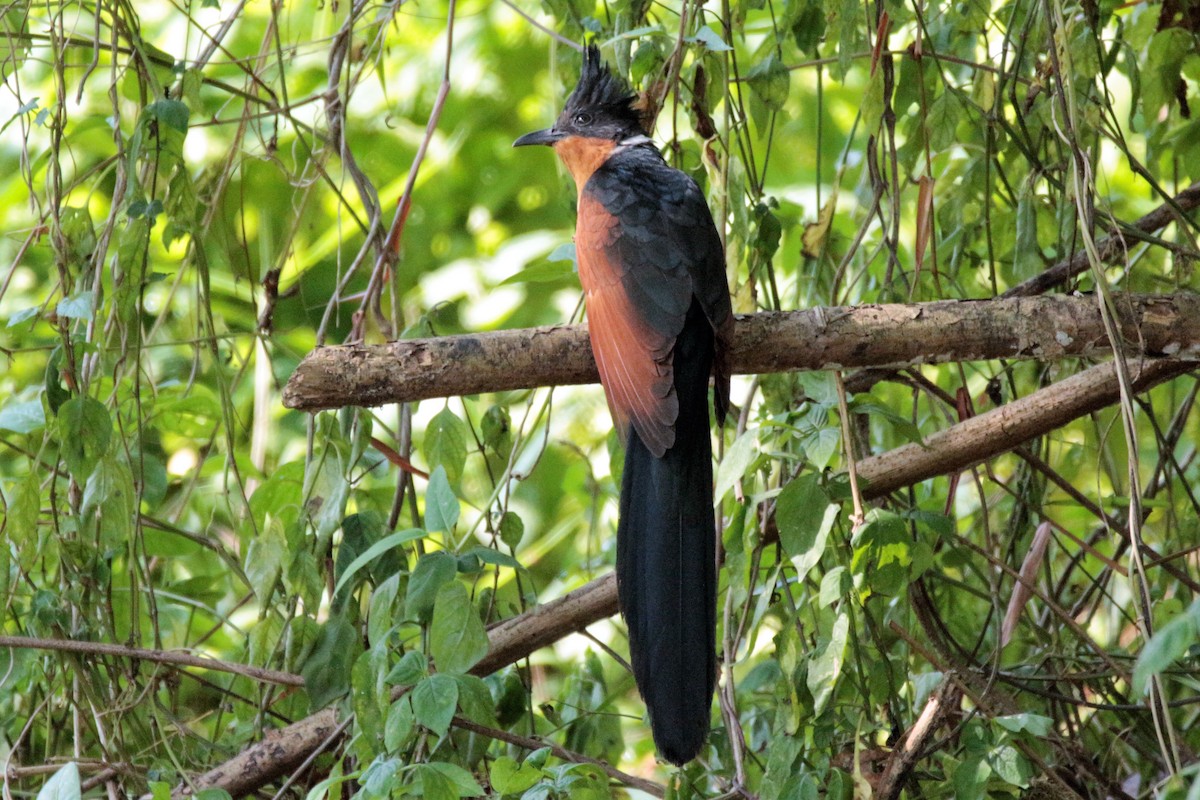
[600,113]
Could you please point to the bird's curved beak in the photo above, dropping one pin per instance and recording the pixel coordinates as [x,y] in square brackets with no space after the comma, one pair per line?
[547,136]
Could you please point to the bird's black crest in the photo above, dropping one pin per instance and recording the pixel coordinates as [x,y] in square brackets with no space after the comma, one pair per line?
[601,91]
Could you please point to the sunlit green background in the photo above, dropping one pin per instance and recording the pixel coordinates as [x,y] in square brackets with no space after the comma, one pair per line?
[182,224]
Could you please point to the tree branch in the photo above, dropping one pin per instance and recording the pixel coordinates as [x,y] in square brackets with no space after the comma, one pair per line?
[1111,247]
[173,657]
[956,448]
[895,335]
[1001,429]
[283,750]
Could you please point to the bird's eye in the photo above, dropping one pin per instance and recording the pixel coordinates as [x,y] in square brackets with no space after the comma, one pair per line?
[583,118]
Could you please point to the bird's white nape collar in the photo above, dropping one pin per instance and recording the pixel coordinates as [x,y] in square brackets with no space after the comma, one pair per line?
[633,141]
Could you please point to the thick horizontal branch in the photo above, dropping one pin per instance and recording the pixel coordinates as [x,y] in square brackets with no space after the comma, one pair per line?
[821,338]
[979,438]
[284,750]
[956,448]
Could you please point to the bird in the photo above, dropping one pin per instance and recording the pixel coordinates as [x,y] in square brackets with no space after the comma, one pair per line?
[660,322]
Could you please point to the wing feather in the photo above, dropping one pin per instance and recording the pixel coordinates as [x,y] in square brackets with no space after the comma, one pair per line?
[647,247]
[632,354]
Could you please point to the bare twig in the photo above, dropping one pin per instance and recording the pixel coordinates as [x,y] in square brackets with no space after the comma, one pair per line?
[942,703]
[157,656]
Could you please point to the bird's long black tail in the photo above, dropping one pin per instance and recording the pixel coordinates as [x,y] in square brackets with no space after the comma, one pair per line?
[666,559]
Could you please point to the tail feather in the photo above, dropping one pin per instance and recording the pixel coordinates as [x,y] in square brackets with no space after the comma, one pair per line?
[666,559]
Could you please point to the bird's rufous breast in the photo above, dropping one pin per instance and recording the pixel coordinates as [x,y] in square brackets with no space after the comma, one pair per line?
[583,156]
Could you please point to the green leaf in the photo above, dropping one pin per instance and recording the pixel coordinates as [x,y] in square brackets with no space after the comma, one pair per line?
[808,27]
[1011,766]
[873,100]
[80,235]
[326,671]
[882,552]
[781,756]
[110,497]
[971,777]
[844,17]
[647,59]
[496,428]
[56,395]
[63,784]
[463,782]
[171,113]
[708,37]
[24,314]
[264,559]
[805,517]
[457,640]
[24,505]
[368,693]
[819,387]
[304,576]
[24,417]
[399,724]
[264,637]
[771,81]
[821,445]
[333,491]
[1027,255]
[834,586]
[1191,67]
[1169,644]
[1083,55]
[508,777]
[434,701]
[475,700]
[825,667]
[77,306]
[902,426]
[433,570]
[1161,73]
[431,784]
[767,234]
[538,757]
[564,252]
[512,529]
[493,557]
[546,272]
[380,618]
[373,552]
[1034,724]
[736,463]
[380,777]
[84,433]
[941,122]
[410,669]
[445,444]
[441,505]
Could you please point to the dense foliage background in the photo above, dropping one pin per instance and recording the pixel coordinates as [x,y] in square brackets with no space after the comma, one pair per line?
[194,195]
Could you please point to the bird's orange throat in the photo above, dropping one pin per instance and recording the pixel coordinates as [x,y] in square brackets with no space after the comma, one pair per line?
[582,156]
